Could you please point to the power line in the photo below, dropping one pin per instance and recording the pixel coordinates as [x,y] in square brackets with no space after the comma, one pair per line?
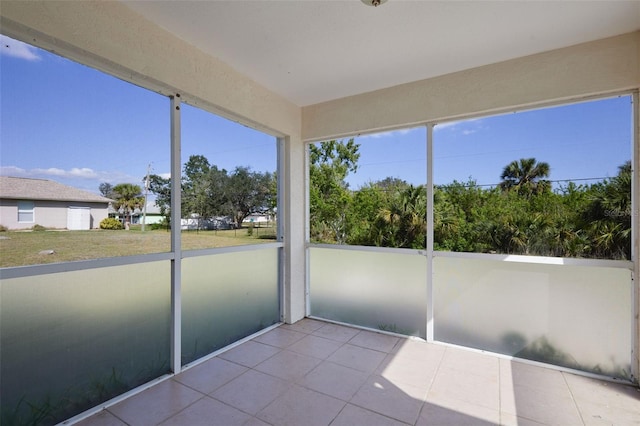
[551,181]
[415,160]
[484,185]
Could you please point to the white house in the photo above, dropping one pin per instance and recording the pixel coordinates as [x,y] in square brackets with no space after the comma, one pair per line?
[153,214]
[25,202]
[257,218]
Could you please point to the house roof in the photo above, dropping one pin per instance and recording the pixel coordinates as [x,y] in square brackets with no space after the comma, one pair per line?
[42,189]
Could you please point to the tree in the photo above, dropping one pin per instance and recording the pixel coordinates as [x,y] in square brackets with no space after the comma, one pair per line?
[161,187]
[572,221]
[249,192]
[403,222]
[128,197]
[196,166]
[329,195]
[208,191]
[391,184]
[525,176]
[608,215]
[195,187]
[219,197]
[362,213]
[203,189]
[106,189]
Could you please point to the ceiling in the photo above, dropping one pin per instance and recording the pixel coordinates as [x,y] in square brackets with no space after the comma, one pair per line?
[311,51]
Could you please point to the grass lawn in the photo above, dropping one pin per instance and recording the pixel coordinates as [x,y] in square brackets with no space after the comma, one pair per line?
[23,247]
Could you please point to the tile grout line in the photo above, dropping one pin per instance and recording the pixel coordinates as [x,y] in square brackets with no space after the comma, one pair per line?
[369,376]
[350,402]
[500,392]
[439,369]
[347,400]
[435,374]
[280,349]
[292,383]
[114,415]
[253,367]
[573,398]
[180,411]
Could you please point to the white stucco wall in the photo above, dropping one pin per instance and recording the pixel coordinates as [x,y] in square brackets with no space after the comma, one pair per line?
[9,214]
[50,214]
[603,66]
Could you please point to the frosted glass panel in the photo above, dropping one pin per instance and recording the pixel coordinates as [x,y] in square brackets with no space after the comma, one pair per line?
[226,297]
[572,316]
[379,290]
[72,340]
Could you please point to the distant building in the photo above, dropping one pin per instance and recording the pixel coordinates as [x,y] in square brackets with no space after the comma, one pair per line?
[258,218]
[25,202]
[153,214]
[193,222]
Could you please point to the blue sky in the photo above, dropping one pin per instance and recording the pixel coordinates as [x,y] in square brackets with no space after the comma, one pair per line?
[69,123]
[63,121]
[579,141]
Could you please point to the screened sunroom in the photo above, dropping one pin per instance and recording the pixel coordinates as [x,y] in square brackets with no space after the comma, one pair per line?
[347,213]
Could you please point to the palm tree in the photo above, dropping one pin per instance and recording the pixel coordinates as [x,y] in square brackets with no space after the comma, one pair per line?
[403,222]
[526,176]
[608,215]
[128,197]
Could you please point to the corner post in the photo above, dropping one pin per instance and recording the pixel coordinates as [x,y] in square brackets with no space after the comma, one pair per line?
[635,236]
[430,305]
[176,243]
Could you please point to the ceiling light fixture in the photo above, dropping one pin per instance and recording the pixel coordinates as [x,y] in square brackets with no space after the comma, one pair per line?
[374,3]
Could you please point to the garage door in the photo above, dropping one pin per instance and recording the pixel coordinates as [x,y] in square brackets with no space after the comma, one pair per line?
[79,218]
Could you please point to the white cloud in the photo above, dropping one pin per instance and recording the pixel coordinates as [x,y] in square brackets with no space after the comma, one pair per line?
[390,133]
[448,124]
[84,172]
[76,176]
[18,49]
[165,175]
[465,127]
[12,171]
[51,171]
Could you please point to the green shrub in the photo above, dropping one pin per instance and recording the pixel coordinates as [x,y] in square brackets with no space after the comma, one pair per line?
[161,225]
[37,227]
[267,237]
[110,223]
[3,228]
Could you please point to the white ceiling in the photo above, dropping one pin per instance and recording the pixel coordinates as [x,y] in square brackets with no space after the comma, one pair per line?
[311,51]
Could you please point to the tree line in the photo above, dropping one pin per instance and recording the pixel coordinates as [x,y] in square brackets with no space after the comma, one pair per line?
[207,192]
[524,214]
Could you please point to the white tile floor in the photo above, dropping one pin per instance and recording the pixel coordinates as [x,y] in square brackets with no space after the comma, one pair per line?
[316,373]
